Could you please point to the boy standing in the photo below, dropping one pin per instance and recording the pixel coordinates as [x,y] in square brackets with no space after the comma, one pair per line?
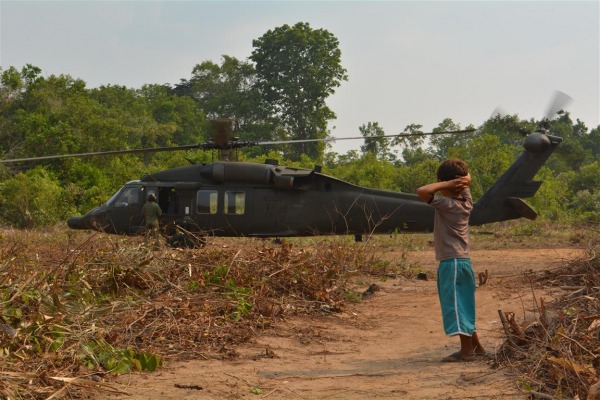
[455,277]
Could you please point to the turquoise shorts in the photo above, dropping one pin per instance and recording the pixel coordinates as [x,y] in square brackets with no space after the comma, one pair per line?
[456,288]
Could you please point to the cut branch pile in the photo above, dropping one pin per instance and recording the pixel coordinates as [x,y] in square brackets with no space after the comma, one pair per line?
[74,314]
[557,354]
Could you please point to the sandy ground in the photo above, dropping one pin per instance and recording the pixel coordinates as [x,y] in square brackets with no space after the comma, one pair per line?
[388,346]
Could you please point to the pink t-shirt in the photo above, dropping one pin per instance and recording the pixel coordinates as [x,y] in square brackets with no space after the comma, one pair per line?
[451,225]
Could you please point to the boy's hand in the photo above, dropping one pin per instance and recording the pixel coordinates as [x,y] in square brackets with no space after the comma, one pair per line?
[459,183]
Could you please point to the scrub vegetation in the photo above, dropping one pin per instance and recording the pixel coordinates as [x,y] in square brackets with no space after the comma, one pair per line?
[80,308]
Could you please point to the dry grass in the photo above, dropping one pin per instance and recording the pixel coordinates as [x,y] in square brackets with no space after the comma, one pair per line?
[79,307]
[557,354]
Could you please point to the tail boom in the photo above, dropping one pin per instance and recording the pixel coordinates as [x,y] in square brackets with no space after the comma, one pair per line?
[504,200]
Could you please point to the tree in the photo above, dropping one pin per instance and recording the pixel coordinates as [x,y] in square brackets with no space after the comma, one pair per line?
[224,91]
[46,115]
[31,199]
[417,174]
[591,141]
[369,171]
[571,154]
[413,156]
[229,91]
[298,68]
[487,158]
[442,143]
[508,128]
[375,142]
[586,178]
[552,198]
[180,112]
[412,151]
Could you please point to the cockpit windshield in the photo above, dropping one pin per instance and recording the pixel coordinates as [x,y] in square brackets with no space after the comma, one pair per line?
[113,197]
[128,196]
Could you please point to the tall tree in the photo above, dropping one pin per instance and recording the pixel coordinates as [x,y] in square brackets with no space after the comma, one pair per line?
[571,154]
[375,141]
[229,91]
[442,143]
[298,68]
[188,122]
[412,150]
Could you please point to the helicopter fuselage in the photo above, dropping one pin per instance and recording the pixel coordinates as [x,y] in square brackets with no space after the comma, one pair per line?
[262,200]
[268,200]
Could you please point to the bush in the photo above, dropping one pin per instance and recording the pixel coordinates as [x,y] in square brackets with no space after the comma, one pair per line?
[31,199]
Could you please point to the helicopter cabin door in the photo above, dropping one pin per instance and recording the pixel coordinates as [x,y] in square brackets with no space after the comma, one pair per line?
[176,205]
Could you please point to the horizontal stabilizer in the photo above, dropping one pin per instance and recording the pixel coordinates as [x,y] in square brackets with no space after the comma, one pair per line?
[522,207]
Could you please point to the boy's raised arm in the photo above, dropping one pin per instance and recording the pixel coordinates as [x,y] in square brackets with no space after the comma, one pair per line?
[427,192]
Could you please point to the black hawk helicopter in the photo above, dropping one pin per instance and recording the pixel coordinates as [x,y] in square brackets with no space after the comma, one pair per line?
[229,198]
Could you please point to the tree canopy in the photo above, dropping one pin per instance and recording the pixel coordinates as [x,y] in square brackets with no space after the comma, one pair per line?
[298,68]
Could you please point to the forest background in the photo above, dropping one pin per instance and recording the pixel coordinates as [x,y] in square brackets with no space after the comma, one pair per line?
[278,93]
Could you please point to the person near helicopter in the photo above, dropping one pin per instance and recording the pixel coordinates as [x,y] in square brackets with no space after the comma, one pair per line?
[150,213]
[451,198]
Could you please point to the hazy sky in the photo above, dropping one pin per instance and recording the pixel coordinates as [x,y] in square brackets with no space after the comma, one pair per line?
[407,61]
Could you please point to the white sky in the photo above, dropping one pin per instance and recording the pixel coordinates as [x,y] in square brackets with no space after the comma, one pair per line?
[407,61]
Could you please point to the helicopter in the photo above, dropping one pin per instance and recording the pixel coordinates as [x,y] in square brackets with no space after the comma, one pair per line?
[268,200]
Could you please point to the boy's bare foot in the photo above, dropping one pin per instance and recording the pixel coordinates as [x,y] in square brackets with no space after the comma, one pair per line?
[458,357]
[479,351]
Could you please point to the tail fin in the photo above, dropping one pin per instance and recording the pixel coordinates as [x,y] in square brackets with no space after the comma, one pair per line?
[503,201]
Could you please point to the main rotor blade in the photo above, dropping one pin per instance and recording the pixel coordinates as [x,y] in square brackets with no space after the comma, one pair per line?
[498,112]
[103,153]
[558,103]
[363,137]
[212,146]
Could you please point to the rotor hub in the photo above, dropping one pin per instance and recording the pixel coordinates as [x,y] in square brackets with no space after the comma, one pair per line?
[536,142]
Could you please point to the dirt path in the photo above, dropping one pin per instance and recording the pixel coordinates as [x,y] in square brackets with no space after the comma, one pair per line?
[386,347]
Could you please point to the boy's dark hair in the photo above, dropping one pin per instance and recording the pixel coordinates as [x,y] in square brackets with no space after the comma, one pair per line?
[451,169]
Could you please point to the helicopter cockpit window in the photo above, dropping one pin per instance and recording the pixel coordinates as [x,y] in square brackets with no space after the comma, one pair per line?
[235,202]
[206,201]
[128,197]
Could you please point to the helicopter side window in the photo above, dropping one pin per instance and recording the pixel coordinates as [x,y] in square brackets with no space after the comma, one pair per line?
[235,202]
[206,201]
[128,198]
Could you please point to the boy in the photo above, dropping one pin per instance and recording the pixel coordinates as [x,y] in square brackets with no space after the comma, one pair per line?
[456,280]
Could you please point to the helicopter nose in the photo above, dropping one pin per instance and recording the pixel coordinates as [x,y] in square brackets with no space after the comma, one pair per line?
[75,223]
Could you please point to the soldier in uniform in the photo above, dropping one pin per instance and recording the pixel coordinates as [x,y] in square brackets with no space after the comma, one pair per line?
[150,213]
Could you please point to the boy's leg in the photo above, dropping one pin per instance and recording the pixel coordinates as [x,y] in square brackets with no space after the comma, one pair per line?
[465,353]
[477,347]
[466,346]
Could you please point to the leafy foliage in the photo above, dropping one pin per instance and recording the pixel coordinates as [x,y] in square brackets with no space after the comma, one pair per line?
[30,199]
[298,68]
